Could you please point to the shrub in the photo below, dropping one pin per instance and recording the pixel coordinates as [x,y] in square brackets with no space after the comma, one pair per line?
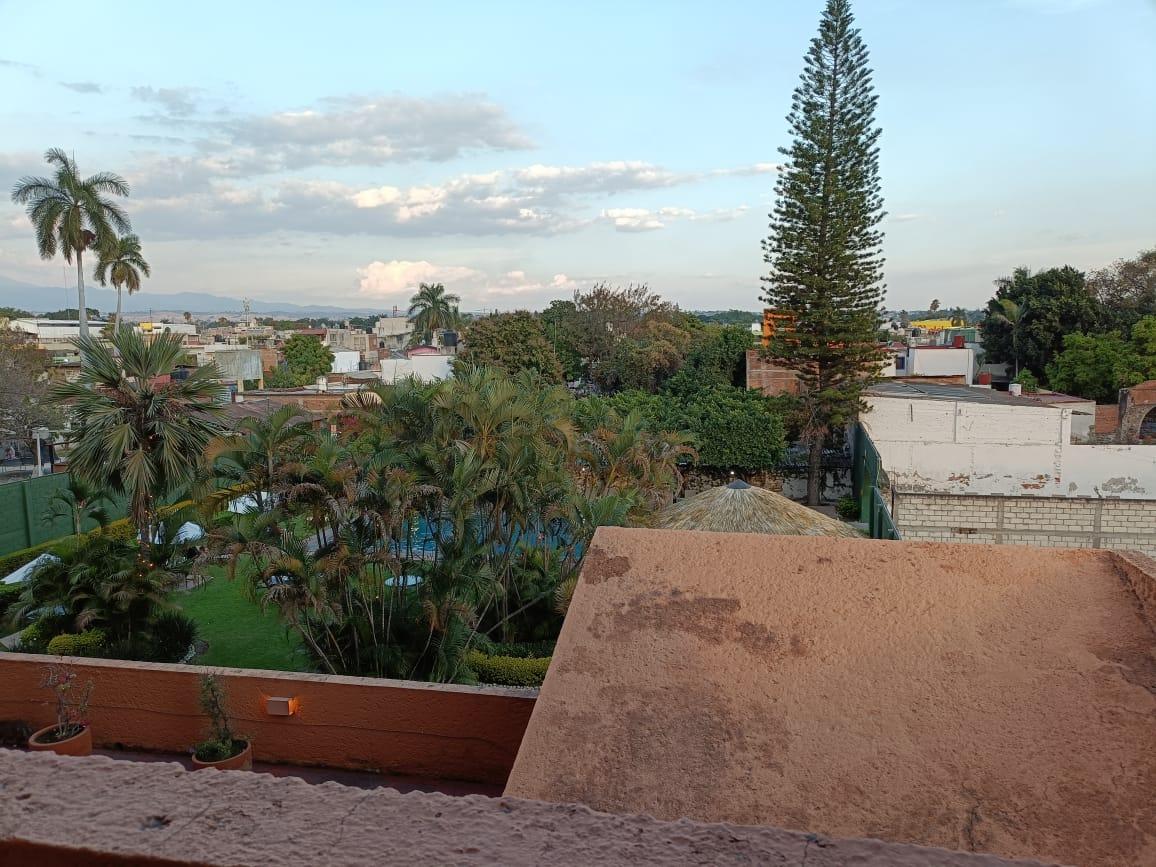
[35,637]
[11,562]
[508,670]
[91,642]
[520,649]
[172,633]
[848,508]
[9,593]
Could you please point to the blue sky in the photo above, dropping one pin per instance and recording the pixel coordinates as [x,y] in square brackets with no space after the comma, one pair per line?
[337,153]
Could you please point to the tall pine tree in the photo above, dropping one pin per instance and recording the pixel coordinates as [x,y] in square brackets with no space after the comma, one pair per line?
[824,247]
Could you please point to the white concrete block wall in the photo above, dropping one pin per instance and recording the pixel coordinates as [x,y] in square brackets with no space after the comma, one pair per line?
[1048,522]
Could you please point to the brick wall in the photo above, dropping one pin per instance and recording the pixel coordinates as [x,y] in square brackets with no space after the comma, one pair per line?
[769,378]
[1047,522]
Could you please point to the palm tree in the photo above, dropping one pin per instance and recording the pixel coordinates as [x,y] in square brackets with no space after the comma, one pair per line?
[959,317]
[71,214]
[137,433]
[1012,314]
[120,262]
[252,457]
[80,502]
[431,310]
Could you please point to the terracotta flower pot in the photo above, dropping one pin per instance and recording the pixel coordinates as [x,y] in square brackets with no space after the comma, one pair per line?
[243,761]
[77,745]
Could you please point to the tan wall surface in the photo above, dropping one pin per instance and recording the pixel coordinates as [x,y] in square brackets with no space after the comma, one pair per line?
[398,727]
[984,698]
[68,812]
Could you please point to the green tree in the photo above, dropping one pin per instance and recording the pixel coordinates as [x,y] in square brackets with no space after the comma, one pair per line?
[824,247]
[718,357]
[1097,366]
[13,313]
[79,502]
[1127,288]
[432,310]
[24,386]
[510,341]
[120,262]
[1011,314]
[134,432]
[560,322]
[253,457]
[934,307]
[1051,304]
[306,358]
[959,317]
[71,214]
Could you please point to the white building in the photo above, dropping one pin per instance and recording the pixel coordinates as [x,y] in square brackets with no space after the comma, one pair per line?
[956,362]
[426,368]
[345,361]
[392,332]
[976,465]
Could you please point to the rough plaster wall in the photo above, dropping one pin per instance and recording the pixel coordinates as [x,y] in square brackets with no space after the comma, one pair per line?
[1045,522]
[990,698]
[66,812]
[949,447]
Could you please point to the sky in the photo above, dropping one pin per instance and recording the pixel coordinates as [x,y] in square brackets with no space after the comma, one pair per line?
[341,153]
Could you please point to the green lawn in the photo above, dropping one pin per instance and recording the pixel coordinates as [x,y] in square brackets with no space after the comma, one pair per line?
[238,632]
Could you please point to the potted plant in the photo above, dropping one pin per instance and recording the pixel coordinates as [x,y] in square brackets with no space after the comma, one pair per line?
[70,735]
[221,749]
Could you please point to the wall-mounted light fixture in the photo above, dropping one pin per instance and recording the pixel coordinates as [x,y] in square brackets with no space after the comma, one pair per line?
[281,705]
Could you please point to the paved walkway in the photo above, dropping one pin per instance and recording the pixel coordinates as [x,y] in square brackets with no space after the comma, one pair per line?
[355,779]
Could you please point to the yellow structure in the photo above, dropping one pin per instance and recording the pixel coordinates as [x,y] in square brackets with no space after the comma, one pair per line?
[933,324]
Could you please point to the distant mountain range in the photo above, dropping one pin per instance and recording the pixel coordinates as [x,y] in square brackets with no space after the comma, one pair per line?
[42,299]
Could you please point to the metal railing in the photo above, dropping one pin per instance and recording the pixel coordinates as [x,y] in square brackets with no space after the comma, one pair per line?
[870,480]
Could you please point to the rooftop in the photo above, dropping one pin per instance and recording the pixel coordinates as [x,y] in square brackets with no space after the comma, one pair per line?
[987,698]
[936,391]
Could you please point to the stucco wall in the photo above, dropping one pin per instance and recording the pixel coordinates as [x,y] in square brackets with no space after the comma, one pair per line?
[987,698]
[399,727]
[1045,522]
[67,812]
[956,447]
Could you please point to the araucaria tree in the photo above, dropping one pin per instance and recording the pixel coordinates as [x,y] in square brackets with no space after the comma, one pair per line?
[825,247]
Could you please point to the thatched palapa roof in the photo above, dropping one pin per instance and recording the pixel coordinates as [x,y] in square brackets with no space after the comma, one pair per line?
[740,508]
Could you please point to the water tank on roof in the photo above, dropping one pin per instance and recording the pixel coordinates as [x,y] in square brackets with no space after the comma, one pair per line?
[449,338]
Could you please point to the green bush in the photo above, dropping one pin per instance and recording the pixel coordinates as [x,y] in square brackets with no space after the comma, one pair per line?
[520,649]
[34,638]
[91,642]
[171,635]
[9,563]
[848,508]
[9,593]
[507,670]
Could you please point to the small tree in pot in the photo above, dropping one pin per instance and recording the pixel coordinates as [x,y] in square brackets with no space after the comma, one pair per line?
[70,735]
[222,749]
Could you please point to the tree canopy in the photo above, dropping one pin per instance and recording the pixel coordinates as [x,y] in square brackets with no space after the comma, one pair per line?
[513,342]
[306,358]
[1049,304]
[1097,366]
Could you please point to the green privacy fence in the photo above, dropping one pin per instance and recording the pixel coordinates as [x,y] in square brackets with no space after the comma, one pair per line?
[866,476]
[22,507]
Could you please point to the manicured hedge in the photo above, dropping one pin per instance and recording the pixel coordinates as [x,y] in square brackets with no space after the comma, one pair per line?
[520,649]
[121,528]
[91,642]
[507,670]
[9,593]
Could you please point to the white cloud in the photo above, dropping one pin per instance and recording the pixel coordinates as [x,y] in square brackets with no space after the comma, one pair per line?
[647,220]
[400,277]
[174,101]
[371,131]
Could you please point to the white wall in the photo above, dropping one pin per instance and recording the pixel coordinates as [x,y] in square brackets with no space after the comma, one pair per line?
[425,367]
[941,361]
[345,361]
[956,447]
